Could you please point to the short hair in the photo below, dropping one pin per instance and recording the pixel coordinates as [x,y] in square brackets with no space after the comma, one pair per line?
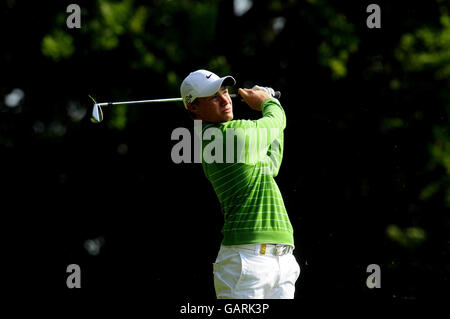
[192,114]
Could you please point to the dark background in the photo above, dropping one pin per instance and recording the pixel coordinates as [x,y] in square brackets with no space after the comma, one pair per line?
[365,174]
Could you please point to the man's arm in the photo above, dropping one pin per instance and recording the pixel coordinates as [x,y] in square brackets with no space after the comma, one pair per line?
[273,123]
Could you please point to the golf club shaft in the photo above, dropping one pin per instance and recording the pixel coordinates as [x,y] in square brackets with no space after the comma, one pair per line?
[176,99]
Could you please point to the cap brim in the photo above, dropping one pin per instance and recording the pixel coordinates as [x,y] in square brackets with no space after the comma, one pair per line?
[216,85]
[228,81]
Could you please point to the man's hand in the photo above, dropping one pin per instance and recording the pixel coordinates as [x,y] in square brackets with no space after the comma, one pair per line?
[254,97]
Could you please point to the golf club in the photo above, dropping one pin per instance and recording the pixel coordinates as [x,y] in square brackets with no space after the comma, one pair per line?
[97,113]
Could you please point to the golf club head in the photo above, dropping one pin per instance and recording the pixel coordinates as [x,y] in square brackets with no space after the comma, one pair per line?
[97,114]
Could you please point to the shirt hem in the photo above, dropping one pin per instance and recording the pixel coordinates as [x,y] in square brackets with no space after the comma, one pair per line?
[242,238]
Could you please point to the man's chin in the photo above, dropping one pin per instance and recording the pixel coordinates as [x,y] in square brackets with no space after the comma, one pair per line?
[228,117]
[224,118]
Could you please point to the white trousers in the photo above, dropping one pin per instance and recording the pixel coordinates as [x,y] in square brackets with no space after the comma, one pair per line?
[248,272]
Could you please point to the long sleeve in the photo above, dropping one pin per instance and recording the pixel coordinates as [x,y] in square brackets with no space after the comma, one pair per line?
[274,117]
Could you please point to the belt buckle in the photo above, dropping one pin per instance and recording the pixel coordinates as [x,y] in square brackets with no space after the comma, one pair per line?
[262,251]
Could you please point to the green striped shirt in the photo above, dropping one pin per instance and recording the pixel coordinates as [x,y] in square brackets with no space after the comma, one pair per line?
[245,156]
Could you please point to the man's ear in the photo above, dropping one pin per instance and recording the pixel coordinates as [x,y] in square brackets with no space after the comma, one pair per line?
[193,108]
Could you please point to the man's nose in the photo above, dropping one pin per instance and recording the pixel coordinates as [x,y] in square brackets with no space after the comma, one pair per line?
[224,98]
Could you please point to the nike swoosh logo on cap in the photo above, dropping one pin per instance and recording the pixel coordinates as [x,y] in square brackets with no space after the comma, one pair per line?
[208,76]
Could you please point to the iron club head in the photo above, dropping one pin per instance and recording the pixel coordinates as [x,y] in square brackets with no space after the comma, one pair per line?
[97,114]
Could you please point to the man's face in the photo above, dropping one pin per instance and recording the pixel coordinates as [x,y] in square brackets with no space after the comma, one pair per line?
[217,108]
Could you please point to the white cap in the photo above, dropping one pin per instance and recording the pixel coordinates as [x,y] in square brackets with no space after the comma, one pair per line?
[202,83]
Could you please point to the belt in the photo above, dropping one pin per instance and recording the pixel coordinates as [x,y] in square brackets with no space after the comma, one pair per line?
[267,249]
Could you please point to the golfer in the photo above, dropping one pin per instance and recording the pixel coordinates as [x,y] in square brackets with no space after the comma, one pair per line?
[255,259]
